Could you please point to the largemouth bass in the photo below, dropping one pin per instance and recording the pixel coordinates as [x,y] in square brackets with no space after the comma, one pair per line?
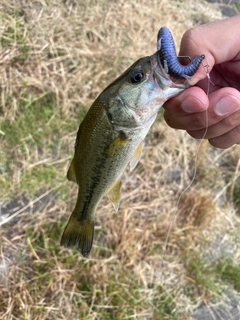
[110,137]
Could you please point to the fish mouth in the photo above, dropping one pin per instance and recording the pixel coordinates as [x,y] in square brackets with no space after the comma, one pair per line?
[163,79]
[158,69]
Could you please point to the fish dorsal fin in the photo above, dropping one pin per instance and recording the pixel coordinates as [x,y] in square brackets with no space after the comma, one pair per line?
[136,157]
[71,176]
[114,194]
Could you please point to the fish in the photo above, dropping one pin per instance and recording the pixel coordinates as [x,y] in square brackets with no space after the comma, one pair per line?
[110,138]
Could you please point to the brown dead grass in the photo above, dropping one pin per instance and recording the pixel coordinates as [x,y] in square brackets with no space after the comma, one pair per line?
[72,50]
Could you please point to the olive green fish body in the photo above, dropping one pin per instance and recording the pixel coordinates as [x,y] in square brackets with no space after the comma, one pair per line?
[101,155]
[109,138]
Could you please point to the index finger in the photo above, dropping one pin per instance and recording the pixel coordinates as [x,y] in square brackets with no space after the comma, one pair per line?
[218,41]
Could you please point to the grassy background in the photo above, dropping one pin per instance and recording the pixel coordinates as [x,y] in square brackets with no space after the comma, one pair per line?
[55,58]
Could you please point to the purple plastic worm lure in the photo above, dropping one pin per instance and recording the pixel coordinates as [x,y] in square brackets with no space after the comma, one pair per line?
[169,59]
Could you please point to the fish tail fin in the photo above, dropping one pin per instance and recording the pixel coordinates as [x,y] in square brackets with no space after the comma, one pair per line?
[79,233]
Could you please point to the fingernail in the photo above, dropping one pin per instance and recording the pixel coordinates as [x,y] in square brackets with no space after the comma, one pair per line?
[226,105]
[191,104]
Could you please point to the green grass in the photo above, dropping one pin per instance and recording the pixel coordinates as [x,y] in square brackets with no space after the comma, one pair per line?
[164,305]
[211,278]
[237,4]
[201,272]
[229,272]
[13,32]
[15,35]
[31,144]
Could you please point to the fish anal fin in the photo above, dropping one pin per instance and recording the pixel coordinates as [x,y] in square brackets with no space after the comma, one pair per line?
[136,157]
[79,233]
[71,176]
[114,194]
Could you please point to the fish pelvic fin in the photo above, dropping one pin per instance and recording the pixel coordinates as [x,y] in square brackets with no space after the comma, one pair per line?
[114,194]
[71,176]
[136,157]
[79,233]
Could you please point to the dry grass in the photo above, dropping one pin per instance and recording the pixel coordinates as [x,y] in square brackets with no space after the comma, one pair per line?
[55,58]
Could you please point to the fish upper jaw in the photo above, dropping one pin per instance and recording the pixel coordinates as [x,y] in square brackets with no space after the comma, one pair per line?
[164,81]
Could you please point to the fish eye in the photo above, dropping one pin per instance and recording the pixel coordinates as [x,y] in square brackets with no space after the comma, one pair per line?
[136,76]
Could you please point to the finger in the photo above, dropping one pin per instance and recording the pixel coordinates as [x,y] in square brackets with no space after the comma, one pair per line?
[227,140]
[218,41]
[223,102]
[177,109]
[223,114]
[224,126]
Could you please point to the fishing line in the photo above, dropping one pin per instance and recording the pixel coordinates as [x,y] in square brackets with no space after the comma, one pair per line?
[206,66]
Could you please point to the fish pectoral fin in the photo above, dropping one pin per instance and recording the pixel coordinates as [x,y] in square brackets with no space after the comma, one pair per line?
[136,157]
[71,176]
[114,194]
[79,233]
[116,147]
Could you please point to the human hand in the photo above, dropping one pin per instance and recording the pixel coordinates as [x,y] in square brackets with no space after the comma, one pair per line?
[219,41]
